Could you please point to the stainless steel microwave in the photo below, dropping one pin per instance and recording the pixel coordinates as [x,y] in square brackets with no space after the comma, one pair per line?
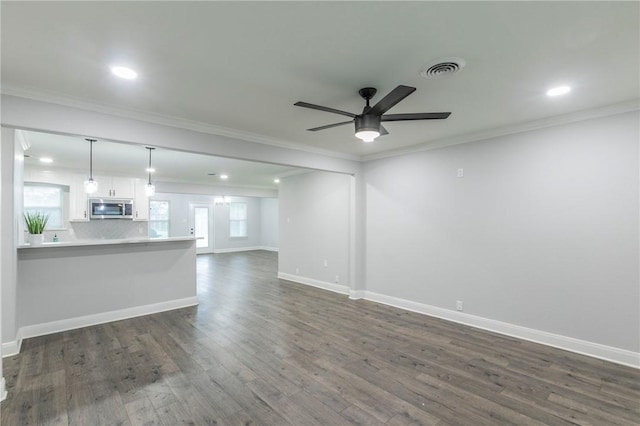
[110,209]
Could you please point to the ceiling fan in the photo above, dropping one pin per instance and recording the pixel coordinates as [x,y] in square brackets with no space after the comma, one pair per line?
[368,124]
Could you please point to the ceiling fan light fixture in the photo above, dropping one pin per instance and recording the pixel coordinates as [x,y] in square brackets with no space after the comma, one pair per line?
[367,127]
[367,135]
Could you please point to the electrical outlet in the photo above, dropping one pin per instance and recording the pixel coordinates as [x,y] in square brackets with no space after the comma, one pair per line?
[326,263]
[337,279]
[459,305]
[297,271]
[460,172]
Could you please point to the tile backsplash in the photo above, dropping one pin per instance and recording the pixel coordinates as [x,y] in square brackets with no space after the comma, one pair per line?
[109,229]
[62,234]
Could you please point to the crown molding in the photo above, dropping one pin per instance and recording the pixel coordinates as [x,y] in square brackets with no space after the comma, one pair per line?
[165,120]
[573,117]
[56,98]
[294,173]
[218,187]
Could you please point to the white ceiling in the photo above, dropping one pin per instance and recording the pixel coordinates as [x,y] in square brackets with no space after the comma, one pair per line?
[242,65]
[113,158]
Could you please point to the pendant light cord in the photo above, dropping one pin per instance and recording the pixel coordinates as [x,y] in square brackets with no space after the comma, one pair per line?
[91,141]
[91,160]
[150,149]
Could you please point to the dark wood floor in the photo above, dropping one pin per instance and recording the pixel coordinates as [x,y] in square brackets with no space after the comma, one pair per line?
[258,350]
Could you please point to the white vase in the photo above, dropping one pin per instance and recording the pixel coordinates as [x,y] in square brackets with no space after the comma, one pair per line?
[36,239]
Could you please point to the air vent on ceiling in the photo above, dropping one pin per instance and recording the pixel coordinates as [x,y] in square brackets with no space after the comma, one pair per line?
[442,68]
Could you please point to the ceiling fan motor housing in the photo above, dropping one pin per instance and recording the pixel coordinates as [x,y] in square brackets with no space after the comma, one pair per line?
[367,122]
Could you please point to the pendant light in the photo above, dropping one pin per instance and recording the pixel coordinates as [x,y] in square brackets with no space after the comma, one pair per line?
[90,186]
[150,189]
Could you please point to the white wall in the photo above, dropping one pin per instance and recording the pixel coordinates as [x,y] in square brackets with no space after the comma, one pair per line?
[179,210]
[269,222]
[222,230]
[257,225]
[541,232]
[61,285]
[314,226]
[5,136]
[11,230]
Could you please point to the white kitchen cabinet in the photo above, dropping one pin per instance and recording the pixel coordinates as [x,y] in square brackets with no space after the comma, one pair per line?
[78,200]
[140,201]
[114,187]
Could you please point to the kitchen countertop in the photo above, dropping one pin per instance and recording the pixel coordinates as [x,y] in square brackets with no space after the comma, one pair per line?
[76,243]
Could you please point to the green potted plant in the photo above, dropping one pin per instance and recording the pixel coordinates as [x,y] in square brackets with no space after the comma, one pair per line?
[36,222]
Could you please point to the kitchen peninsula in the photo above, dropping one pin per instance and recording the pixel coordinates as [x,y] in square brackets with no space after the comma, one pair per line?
[73,284]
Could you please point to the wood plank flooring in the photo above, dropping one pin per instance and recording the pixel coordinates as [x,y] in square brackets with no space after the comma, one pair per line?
[258,350]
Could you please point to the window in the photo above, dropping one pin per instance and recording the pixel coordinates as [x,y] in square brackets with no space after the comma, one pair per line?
[159,219]
[48,199]
[238,220]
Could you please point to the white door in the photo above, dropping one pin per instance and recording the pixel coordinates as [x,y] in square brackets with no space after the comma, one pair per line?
[201,226]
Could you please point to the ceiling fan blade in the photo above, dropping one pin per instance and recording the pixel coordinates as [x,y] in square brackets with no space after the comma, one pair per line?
[416,116]
[392,98]
[322,108]
[383,131]
[328,126]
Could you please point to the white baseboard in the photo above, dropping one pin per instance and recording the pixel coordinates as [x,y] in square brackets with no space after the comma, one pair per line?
[325,285]
[237,249]
[3,389]
[596,350]
[13,348]
[356,294]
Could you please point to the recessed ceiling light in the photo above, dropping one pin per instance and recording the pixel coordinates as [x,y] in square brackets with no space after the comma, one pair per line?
[224,177]
[150,170]
[46,160]
[276,180]
[557,91]
[124,72]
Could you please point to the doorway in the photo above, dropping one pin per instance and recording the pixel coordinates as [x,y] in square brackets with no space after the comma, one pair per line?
[201,226]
